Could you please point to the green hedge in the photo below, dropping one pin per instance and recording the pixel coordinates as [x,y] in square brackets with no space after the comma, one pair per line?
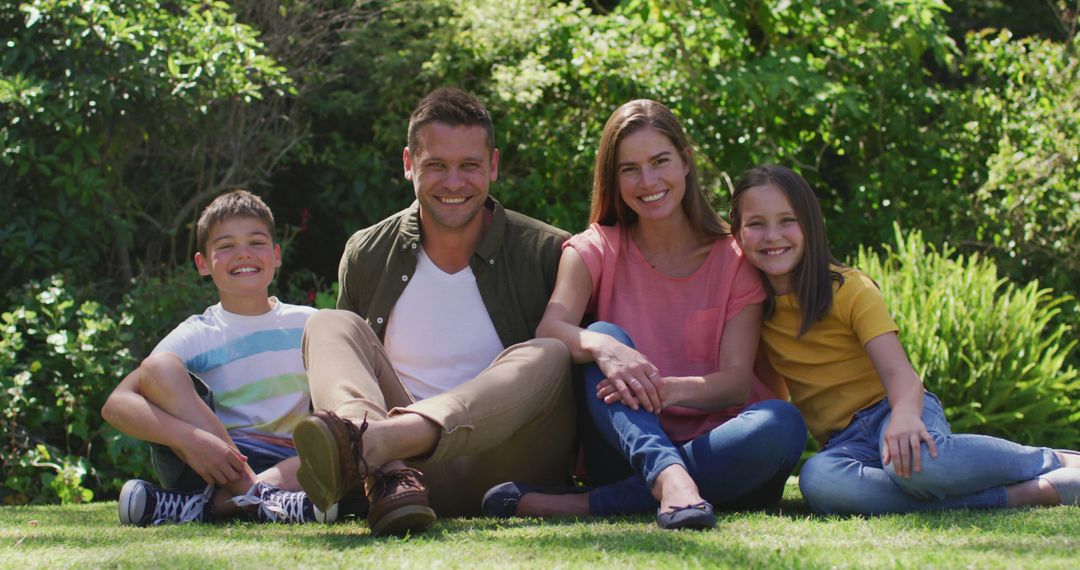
[59,358]
[61,354]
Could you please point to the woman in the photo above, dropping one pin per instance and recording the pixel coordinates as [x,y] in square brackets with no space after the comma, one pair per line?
[657,265]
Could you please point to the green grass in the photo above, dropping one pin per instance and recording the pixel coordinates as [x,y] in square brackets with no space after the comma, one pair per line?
[89,536]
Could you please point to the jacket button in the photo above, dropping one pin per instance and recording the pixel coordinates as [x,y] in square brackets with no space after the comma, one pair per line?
[404,277]
[379,320]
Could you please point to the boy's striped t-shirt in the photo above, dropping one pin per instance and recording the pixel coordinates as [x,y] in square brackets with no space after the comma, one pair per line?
[253,364]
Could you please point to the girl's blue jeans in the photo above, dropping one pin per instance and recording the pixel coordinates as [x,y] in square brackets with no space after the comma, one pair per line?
[970,471]
[742,463]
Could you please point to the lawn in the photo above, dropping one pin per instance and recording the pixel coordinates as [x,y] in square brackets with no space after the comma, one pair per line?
[89,536]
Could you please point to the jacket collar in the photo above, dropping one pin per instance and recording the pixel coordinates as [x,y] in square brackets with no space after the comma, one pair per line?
[489,245]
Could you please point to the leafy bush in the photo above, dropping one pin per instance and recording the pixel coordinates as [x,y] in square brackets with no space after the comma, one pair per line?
[120,120]
[156,304]
[60,356]
[986,347]
[872,101]
[1028,209]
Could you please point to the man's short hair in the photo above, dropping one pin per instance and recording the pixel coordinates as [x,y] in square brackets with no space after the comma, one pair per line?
[453,107]
[234,204]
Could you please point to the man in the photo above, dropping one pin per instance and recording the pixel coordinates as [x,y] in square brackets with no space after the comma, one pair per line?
[429,360]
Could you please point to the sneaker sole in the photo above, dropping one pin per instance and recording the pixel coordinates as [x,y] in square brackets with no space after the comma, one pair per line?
[404,520]
[320,466]
[328,516]
[132,502]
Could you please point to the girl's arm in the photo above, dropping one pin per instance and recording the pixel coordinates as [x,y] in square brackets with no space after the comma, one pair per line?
[904,389]
[729,385]
[628,371]
[769,376]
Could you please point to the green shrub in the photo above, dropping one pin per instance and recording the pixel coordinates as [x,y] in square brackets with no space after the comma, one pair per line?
[1028,209]
[156,304]
[119,120]
[60,356]
[986,347]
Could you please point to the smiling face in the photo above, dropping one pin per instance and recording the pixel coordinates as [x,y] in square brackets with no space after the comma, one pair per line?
[240,258]
[451,170]
[651,175]
[770,235]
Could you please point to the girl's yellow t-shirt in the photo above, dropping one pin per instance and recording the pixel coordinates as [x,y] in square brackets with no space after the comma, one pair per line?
[827,370]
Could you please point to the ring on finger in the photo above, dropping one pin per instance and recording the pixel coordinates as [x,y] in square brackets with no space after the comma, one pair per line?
[652,375]
[634,382]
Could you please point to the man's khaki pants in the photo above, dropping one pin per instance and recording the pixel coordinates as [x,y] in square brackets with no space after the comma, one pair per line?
[513,422]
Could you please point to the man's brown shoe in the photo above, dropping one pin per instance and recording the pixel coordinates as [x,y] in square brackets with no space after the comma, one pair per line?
[331,451]
[399,503]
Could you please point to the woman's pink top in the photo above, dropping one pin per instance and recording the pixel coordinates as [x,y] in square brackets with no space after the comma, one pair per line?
[676,322]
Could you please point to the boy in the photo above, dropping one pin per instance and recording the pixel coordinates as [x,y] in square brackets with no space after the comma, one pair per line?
[243,354]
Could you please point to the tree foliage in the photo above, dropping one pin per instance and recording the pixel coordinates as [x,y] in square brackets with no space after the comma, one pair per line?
[1028,101]
[121,118]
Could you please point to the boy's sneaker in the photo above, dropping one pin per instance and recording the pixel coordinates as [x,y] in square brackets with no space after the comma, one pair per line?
[276,505]
[143,504]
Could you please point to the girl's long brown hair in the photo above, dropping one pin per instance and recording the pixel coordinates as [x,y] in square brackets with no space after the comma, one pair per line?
[813,276]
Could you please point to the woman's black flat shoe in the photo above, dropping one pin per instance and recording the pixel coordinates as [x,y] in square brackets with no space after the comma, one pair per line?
[502,499]
[695,517]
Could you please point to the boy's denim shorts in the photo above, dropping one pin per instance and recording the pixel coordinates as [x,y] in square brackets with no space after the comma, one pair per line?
[173,473]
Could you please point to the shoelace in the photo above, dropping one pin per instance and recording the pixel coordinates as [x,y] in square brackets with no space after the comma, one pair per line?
[274,504]
[405,477]
[290,505]
[190,507]
[268,508]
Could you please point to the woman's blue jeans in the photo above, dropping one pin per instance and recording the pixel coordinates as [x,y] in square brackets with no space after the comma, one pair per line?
[970,471]
[742,463]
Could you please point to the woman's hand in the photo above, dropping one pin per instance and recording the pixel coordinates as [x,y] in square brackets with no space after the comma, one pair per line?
[607,393]
[629,378]
[903,437]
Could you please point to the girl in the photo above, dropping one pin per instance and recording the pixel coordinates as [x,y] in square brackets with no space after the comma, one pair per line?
[885,444]
[658,265]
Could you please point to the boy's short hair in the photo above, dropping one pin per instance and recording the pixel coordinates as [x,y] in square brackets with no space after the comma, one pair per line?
[235,204]
[453,107]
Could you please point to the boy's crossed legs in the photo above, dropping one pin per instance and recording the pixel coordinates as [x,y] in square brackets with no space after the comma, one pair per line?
[191,448]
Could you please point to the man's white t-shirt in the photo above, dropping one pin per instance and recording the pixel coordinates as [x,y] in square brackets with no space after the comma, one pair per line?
[439,334]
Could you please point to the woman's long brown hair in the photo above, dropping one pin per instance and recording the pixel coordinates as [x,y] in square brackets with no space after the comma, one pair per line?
[608,207]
